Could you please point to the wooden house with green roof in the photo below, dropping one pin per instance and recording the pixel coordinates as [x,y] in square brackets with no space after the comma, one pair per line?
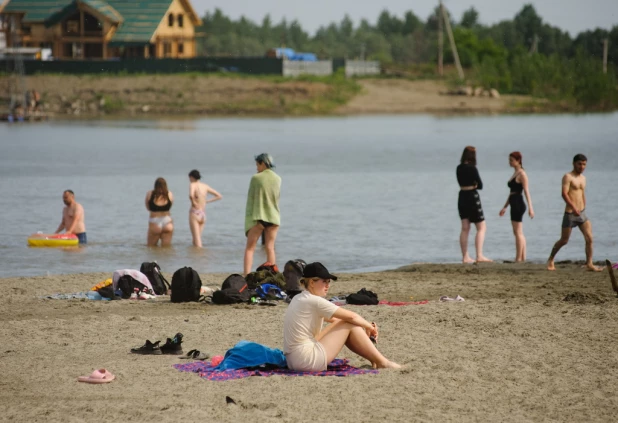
[102,29]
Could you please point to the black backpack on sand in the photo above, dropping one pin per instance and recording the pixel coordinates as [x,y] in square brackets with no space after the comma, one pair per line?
[233,291]
[363,297]
[186,285]
[152,271]
[293,273]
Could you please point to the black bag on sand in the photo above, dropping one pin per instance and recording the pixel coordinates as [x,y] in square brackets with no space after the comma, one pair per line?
[363,297]
[235,281]
[186,285]
[233,291]
[108,292]
[128,286]
[160,285]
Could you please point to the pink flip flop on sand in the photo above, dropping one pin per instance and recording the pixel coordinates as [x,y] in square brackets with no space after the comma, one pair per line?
[98,376]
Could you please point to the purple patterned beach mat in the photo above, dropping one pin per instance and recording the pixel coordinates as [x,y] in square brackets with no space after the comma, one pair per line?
[338,367]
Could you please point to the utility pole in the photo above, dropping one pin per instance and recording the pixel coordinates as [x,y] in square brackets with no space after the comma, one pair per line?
[451,38]
[605,47]
[534,46]
[440,43]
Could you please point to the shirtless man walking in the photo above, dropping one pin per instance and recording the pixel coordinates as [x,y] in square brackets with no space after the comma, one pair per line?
[573,193]
[72,217]
[198,191]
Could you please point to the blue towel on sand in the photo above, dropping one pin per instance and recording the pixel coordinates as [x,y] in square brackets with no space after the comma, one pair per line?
[250,354]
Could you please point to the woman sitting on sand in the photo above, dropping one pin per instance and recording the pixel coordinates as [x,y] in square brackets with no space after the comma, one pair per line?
[158,203]
[307,346]
[518,184]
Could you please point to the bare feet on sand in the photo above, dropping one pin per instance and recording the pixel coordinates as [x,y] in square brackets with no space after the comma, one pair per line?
[593,268]
[467,260]
[550,265]
[387,365]
[484,259]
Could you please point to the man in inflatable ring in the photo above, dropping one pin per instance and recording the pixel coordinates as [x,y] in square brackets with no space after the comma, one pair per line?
[72,217]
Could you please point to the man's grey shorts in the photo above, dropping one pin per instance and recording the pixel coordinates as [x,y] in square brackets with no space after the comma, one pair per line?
[571,221]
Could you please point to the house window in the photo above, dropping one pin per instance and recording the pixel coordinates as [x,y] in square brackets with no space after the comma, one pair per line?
[92,26]
[181,48]
[73,27]
[170,20]
[167,49]
[181,20]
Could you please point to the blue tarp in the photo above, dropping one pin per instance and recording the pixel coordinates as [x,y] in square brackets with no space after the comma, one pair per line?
[290,54]
[305,57]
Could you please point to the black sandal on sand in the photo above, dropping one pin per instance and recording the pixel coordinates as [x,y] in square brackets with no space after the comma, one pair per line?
[148,348]
[173,346]
[195,355]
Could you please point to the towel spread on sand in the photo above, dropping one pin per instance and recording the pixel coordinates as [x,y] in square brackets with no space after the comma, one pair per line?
[402,303]
[338,367]
[263,199]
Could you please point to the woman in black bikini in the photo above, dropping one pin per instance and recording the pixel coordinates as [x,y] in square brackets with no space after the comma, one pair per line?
[518,184]
[469,205]
[158,203]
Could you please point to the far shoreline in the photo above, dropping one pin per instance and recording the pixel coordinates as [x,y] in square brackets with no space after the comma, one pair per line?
[430,267]
[178,96]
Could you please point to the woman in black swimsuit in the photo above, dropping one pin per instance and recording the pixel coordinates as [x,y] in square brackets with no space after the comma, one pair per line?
[518,184]
[469,205]
[160,225]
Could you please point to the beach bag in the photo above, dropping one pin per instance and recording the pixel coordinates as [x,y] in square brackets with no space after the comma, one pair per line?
[234,290]
[186,285]
[106,289]
[152,271]
[265,273]
[363,297]
[268,291]
[128,285]
[235,281]
[293,273]
[268,266]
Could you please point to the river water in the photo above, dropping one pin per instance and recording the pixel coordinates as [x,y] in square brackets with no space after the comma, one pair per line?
[358,193]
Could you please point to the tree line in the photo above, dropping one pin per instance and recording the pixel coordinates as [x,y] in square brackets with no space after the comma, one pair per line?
[524,55]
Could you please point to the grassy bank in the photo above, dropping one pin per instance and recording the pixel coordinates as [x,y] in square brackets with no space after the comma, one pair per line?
[406,90]
[189,94]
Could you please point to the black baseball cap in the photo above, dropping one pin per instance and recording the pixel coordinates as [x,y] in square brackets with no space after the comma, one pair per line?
[317,270]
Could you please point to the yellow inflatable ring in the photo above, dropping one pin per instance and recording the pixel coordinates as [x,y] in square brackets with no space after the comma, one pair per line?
[52,240]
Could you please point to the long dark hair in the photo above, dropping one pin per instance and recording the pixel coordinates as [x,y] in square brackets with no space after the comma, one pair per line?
[469,155]
[160,189]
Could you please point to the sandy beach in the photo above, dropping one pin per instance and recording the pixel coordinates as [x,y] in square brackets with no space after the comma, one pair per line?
[526,345]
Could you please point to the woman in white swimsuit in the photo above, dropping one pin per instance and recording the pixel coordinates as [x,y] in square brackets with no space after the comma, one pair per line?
[160,225]
[198,193]
[307,346]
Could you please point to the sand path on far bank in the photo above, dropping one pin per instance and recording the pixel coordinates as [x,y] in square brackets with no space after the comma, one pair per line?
[404,96]
[513,351]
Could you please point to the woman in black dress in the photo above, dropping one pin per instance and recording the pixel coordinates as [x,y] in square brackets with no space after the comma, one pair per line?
[469,204]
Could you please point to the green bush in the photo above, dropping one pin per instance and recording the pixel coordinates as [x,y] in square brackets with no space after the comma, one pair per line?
[112,104]
[579,80]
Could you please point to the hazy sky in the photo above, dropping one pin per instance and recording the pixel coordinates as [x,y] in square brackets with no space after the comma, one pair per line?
[571,15]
